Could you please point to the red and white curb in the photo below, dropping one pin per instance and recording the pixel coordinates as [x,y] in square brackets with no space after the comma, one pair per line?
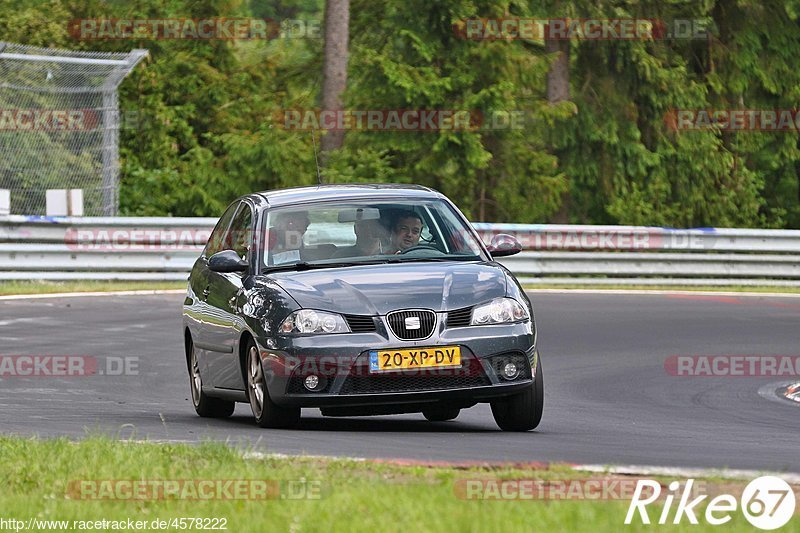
[686,472]
[781,391]
[792,392]
[621,470]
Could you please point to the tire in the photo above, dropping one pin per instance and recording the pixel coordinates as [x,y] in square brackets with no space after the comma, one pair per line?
[265,411]
[441,414]
[204,405]
[523,411]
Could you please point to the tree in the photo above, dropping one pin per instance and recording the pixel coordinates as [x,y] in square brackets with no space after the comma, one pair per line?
[594,146]
[334,79]
[407,55]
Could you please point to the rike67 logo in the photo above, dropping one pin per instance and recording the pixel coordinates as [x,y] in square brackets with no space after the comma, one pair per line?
[767,502]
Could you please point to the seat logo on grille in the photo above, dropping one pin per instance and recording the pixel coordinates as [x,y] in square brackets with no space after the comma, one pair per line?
[412,322]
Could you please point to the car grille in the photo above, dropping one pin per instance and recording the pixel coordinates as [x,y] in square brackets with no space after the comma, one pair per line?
[360,324]
[397,322]
[471,374]
[459,318]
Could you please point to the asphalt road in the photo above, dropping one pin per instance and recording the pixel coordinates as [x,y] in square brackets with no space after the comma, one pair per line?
[609,399]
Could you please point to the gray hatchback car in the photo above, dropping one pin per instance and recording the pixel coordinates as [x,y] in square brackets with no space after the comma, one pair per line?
[358,300]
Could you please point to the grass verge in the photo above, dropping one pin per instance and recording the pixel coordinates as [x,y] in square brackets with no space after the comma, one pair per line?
[314,494]
[51,287]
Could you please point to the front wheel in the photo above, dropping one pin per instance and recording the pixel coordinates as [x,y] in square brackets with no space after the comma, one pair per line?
[204,405]
[266,412]
[523,411]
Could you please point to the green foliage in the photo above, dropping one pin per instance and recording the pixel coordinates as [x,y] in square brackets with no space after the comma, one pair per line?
[626,166]
[199,123]
[55,480]
[406,55]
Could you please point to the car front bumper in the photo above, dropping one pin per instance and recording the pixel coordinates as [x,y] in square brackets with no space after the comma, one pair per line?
[340,363]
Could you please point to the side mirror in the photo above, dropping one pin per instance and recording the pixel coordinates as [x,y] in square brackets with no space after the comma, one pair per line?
[503,245]
[227,261]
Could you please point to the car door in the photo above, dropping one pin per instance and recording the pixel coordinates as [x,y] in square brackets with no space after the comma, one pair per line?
[198,313]
[226,327]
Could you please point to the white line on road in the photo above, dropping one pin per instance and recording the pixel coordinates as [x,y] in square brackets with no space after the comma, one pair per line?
[79,294]
[665,291]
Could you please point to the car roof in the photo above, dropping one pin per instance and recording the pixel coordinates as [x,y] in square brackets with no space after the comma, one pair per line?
[316,193]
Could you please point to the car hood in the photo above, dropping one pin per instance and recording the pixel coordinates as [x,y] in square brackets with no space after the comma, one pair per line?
[379,289]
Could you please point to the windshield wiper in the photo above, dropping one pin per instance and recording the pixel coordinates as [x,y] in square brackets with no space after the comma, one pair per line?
[434,259]
[305,265]
[302,265]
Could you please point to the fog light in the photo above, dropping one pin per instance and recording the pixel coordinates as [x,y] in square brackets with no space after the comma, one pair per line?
[510,371]
[311,382]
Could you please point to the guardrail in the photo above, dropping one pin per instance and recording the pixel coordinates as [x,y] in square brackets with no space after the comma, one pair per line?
[165,248]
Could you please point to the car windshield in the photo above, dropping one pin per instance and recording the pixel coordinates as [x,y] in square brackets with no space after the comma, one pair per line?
[331,234]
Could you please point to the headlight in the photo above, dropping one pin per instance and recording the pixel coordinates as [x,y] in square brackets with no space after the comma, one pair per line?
[499,311]
[310,321]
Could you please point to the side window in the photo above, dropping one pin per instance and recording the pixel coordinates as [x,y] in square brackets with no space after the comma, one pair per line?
[241,231]
[426,235]
[217,238]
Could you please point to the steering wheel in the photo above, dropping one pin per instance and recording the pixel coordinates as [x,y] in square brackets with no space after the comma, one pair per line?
[420,247]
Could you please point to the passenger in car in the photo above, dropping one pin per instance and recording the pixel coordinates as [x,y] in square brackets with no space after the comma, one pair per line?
[286,237]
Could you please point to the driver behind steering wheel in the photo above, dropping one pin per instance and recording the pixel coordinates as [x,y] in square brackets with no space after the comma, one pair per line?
[406,231]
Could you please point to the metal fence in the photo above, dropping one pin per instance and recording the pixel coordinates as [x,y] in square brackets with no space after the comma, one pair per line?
[59,125]
[166,248]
